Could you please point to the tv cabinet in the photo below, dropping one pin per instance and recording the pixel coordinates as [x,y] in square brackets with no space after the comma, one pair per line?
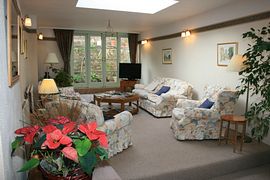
[127,85]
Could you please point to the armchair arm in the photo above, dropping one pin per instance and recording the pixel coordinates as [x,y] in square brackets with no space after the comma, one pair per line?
[120,120]
[172,96]
[187,103]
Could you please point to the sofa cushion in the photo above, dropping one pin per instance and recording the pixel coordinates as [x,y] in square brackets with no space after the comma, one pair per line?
[141,92]
[152,86]
[207,104]
[163,89]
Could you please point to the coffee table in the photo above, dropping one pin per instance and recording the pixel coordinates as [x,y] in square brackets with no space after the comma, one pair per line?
[113,98]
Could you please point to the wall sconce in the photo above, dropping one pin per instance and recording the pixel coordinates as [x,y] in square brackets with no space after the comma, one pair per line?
[27,21]
[185,33]
[144,41]
[40,36]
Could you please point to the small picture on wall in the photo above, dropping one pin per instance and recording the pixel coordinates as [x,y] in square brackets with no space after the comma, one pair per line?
[25,49]
[225,52]
[167,56]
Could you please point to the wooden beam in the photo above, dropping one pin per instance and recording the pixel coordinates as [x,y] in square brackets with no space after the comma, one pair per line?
[247,19]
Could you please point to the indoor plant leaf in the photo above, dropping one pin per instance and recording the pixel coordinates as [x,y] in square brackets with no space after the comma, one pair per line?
[32,163]
[88,162]
[82,146]
[16,143]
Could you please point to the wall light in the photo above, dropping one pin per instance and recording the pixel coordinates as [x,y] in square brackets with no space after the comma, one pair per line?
[27,21]
[144,41]
[40,36]
[183,34]
[188,33]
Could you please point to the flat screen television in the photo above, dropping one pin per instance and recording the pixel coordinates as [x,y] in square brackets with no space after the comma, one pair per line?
[130,71]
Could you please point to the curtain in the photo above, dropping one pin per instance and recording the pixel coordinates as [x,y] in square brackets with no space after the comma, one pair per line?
[132,43]
[64,40]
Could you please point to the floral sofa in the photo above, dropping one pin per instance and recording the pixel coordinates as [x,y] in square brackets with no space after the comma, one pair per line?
[117,129]
[192,123]
[162,106]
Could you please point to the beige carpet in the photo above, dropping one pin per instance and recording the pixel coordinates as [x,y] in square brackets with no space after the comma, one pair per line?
[156,154]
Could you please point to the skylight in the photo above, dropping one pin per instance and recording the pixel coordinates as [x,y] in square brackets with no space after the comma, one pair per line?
[138,6]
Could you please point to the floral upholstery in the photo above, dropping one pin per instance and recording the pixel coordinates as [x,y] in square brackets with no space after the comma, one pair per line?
[69,93]
[162,106]
[117,129]
[193,123]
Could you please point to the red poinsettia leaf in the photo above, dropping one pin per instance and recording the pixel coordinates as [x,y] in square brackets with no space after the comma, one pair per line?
[63,119]
[55,135]
[83,128]
[49,128]
[65,140]
[69,127]
[92,126]
[70,153]
[103,141]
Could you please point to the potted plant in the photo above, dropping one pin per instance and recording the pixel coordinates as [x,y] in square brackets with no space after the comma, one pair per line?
[255,78]
[62,148]
[63,79]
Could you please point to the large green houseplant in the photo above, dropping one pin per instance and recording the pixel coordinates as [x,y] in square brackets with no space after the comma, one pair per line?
[255,78]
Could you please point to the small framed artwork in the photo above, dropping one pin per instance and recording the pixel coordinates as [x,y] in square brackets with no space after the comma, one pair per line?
[167,56]
[225,51]
[25,49]
[21,40]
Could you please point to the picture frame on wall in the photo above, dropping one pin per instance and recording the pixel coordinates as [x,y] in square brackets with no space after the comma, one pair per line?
[21,40]
[25,49]
[167,56]
[225,51]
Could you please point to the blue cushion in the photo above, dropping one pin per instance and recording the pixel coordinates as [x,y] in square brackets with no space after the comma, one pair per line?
[163,89]
[207,104]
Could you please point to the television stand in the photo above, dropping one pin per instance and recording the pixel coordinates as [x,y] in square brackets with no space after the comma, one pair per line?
[127,85]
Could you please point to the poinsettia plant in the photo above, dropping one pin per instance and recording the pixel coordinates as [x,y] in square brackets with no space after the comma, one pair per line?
[62,145]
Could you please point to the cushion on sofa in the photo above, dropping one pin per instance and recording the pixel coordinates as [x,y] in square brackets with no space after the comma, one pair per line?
[163,89]
[152,86]
[207,104]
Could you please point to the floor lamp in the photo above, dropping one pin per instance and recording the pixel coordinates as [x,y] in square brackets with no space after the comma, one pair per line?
[236,65]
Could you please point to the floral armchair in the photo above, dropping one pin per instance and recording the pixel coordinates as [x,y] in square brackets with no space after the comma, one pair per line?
[118,130]
[192,123]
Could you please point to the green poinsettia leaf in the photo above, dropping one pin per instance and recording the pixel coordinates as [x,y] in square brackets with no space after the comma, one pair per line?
[16,143]
[32,163]
[103,154]
[40,141]
[88,162]
[82,146]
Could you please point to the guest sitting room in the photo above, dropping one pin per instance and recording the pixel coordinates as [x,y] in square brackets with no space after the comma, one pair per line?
[125,89]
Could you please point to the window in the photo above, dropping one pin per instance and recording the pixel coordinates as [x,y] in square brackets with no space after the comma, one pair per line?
[95,58]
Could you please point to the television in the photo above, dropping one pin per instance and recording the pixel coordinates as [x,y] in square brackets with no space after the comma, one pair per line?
[130,71]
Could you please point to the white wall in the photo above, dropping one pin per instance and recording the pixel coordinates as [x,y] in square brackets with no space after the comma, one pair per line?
[10,108]
[44,48]
[195,58]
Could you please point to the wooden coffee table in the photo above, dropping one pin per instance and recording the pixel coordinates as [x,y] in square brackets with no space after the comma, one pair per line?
[118,98]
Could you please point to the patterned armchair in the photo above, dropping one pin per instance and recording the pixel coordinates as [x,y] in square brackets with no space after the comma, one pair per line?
[118,129]
[192,123]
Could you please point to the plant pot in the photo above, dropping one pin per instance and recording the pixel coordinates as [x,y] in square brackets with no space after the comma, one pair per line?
[76,174]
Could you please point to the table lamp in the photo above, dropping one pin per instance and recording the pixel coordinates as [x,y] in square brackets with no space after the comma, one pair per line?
[48,87]
[51,59]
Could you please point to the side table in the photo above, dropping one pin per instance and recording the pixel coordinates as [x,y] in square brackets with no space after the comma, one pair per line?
[237,120]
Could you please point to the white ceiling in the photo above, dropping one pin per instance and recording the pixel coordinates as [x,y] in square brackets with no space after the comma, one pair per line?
[64,14]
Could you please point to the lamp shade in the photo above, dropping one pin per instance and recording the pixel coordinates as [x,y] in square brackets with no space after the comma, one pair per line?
[48,86]
[27,21]
[236,63]
[52,59]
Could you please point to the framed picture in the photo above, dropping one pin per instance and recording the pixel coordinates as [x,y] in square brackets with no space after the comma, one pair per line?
[25,49]
[225,52]
[167,56]
[21,40]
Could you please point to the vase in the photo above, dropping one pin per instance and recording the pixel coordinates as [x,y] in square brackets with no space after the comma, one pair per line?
[76,174]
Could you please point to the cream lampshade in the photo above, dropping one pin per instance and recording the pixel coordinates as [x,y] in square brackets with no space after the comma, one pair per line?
[51,59]
[236,63]
[27,21]
[48,86]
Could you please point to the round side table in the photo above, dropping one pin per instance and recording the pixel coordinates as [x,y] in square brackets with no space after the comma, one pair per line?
[237,120]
